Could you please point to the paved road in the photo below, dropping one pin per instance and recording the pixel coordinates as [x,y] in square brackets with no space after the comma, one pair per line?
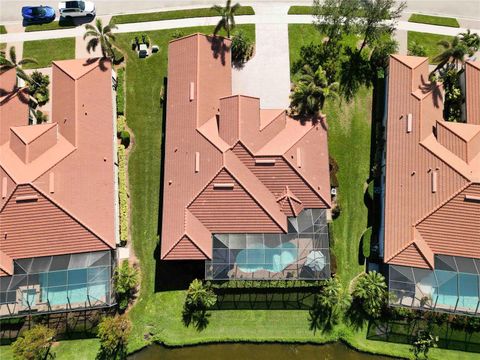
[10,9]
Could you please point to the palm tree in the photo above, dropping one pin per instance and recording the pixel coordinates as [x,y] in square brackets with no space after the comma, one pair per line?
[454,52]
[310,92]
[471,41]
[11,63]
[227,14]
[371,291]
[200,296]
[102,35]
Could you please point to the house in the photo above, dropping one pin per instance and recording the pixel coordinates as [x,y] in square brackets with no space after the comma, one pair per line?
[58,203]
[431,234]
[246,190]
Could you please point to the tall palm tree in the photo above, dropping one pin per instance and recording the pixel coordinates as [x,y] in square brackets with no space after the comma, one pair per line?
[11,63]
[227,14]
[371,291]
[100,35]
[454,52]
[310,92]
[471,41]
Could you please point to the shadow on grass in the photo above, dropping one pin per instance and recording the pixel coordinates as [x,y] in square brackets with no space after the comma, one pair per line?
[199,318]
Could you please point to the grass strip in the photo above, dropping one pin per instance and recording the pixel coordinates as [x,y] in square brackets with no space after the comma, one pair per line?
[300,10]
[54,25]
[46,51]
[174,14]
[434,20]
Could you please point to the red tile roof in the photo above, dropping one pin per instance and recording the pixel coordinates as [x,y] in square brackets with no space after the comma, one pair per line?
[227,162]
[432,169]
[57,179]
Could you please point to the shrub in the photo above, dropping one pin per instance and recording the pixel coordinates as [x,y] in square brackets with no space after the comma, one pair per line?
[38,87]
[371,292]
[416,49]
[122,192]
[333,165]
[126,281]
[40,117]
[366,240]
[121,123]
[125,138]
[200,298]
[242,48]
[336,211]
[120,91]
[177,34]
[118,56]
[113,333]
[34,344]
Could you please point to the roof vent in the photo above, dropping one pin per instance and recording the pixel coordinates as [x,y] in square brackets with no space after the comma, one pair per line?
[299,157]
[225,186]
[264,161]
[192,91]
[4,187]
[51,183]
[409,123]
[472,198]
[197,162]
[26,198]
[434,182]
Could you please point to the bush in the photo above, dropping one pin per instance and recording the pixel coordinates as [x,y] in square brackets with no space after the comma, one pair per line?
[371,189]
[333,165]
[126,281]
[113,333]
[242,48]
[177,34]
[120,91]
[125,138]
[336,211]
[200,298]
[366,240]
[416,49]
[34,344]
[38,87]
[121,123]
[371,292]
[118,56]
[122,192]
[40,117]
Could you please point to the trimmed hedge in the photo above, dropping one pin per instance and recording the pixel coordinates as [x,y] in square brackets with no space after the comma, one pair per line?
[122,192]
[366,240]
[125,138]
[263,284]
[121,123]
[3,30]
[120,91]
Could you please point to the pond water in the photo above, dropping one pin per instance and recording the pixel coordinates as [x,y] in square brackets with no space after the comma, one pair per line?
[255,351]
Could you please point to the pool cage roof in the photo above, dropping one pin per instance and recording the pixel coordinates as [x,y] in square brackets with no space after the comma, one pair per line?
[454,285]
[301,254]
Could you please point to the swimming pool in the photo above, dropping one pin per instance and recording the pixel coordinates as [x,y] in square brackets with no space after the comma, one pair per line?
[259,257]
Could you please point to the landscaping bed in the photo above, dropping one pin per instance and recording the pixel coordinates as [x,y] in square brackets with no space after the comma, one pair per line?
[46,51]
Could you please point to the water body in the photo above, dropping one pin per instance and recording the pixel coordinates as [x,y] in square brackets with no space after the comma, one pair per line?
[336,351]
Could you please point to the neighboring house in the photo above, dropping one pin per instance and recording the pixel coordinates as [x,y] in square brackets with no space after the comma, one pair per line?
[58,217]
[432,191]
[245,189]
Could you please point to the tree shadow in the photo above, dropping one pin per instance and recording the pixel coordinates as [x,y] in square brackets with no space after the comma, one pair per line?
[219,47]
[355,73]
[355,315]
[427,86]
[102,61]
[199,318]
[321,318]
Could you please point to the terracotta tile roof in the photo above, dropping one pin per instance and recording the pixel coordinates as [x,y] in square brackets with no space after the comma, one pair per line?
[57,179]
[217,177]
[432,167]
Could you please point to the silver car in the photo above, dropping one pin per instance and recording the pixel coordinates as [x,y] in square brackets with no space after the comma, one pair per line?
[69,9]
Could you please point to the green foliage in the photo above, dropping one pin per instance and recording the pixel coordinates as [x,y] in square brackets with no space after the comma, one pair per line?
[310,91]
[125,283]
[454,52]
[117,56]
[471,41]
[34,344]
[242,47]
[416,49]
[300,10]
[452,110]
[38,87]
[200,297]
[366,240]
[122,192]
[120,91]
[371,292]
[422,344]
[319,55]
[40,117]
[177,34]
[3,30]
[9,61]
[102,36]
[355,73]
[175,14]
[125,138]
[429,42]
[121,124]
[113,333]
[434,20]
[380,57]
[227,17]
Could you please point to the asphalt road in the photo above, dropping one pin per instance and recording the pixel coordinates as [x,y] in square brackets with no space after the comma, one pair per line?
[10,10]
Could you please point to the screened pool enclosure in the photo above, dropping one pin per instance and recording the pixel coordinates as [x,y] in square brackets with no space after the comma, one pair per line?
[57,283]
[454,285]
[302,253]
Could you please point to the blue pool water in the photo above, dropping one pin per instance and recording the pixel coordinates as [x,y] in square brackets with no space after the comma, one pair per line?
[265,258]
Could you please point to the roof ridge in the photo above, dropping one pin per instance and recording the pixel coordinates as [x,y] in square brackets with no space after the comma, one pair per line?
[181,238]
[14,128]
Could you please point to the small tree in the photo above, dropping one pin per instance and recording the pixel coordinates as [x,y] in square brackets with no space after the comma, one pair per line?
[34,344]
[242,48]
[200,298]
[416,49]
[454,52]
[334,18]
[113,333]
[371,292]
[422,344]
[452,110]
[227,14]
[126,282]
[100,35]
[38,87]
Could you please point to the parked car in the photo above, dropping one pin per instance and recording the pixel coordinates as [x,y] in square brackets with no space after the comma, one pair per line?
[38,13]
[69,9]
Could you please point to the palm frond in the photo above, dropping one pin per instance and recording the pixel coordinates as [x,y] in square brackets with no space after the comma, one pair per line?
[26,61]
[13,55]
[92,33]
[92,44]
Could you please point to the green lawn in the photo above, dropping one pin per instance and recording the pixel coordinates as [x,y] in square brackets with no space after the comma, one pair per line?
[46,51]
[429,42]
[54,25]
[175,14]
[300,10]
[434,20]
[3,30]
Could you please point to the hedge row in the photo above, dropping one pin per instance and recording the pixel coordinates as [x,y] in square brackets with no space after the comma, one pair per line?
[261,284]
[120,91]
[123,197]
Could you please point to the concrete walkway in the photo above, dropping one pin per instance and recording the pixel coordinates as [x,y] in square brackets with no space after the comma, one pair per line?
[267,74]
